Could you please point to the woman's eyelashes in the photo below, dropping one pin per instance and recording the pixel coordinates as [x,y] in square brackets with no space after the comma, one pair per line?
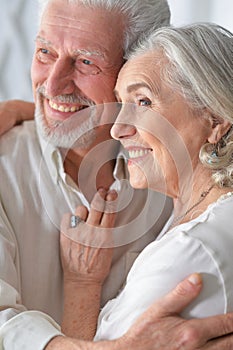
[144,102]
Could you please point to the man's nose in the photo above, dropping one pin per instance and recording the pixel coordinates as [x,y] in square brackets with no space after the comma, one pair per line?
[61,78]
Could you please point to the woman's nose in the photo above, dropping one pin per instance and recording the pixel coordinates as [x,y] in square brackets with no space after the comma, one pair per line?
[124,125]
[121,129]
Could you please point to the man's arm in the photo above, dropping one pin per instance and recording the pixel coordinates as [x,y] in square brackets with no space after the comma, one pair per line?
[14,112]
[159,328]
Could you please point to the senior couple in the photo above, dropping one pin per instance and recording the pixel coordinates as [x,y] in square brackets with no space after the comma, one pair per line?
[175,123]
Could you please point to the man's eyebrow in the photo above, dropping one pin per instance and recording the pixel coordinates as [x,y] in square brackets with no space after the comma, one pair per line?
[89,52]
[43,41]
[75,52]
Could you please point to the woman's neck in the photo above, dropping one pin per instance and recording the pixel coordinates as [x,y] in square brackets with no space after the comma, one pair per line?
[195,200]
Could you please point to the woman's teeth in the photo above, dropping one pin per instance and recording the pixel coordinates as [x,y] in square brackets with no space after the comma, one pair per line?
[138,153]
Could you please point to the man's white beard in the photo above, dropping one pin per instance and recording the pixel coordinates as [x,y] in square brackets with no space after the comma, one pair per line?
[78,131]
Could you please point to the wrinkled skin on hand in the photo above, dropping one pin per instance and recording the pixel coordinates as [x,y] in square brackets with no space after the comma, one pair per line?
[86,250]
[160,327]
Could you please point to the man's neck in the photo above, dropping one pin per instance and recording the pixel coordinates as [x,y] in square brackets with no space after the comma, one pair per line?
[92,171]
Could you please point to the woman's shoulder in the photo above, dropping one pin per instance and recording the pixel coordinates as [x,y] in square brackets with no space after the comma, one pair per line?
[218,217]
[216,220]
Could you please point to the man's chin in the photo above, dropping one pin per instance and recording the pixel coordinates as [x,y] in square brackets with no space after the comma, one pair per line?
[59,135]
[52,123]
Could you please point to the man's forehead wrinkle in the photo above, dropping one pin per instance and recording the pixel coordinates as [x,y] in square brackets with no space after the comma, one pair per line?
[67,20]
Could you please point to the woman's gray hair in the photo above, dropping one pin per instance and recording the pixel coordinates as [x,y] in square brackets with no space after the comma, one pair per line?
[200,68]
[141,15]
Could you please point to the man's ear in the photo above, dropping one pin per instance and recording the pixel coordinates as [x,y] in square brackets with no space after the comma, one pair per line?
[219,129]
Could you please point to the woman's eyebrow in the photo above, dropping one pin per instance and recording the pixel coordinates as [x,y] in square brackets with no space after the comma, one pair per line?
[136,86]
[133,87]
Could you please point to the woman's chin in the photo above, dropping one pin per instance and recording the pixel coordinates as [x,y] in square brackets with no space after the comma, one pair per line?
[138,183]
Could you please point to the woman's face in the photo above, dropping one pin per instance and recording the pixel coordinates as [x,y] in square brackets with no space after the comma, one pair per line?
[159,130]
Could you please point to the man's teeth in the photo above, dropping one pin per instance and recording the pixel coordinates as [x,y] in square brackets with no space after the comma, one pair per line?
[64,109]
[138,153]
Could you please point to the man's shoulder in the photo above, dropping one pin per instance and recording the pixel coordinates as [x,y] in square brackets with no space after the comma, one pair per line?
[23,134]
[20,146]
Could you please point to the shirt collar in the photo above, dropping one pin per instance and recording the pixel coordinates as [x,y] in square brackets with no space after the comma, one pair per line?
[52,157]
[54,160]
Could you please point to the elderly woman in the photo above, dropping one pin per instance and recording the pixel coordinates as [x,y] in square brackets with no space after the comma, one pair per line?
[176,124]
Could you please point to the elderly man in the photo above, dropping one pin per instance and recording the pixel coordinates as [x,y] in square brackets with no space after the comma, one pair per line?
[51,168]
[26,285]
[71,70]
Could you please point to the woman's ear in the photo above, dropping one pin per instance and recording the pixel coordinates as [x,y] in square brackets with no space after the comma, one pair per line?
[219,129]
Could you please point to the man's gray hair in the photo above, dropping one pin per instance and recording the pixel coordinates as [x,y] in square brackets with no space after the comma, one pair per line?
[141,15]
[200,68]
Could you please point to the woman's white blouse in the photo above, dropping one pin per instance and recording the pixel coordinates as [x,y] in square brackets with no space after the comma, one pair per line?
[203,245]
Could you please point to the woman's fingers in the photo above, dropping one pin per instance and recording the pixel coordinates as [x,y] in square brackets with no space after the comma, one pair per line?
[109,215]
[101,219]
[92,229]
[81,212]
[97,208]
[103,209]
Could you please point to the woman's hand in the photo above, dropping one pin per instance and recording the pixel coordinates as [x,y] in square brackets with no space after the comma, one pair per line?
[86,254]
[13,112]
[86,250]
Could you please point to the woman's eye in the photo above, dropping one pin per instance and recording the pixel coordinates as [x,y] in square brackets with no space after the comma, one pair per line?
[144,102]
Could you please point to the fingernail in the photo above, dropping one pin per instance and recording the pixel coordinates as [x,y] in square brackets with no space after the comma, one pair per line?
[195,279]
[101,189]
[112,192]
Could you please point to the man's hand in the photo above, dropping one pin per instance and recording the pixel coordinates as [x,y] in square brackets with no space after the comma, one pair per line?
[14,112]
[160,327]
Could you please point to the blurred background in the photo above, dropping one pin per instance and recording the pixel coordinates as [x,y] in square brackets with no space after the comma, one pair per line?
[18,20]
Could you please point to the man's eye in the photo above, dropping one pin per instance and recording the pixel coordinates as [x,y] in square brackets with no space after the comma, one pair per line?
[87,67]
[87,62]
[44,55]
[44,51]
[144,102]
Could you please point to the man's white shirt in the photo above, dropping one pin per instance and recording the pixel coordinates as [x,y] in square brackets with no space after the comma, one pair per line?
[35,192]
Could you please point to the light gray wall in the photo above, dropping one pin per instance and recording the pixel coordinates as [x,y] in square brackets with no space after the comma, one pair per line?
[18,20]
[188,11]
